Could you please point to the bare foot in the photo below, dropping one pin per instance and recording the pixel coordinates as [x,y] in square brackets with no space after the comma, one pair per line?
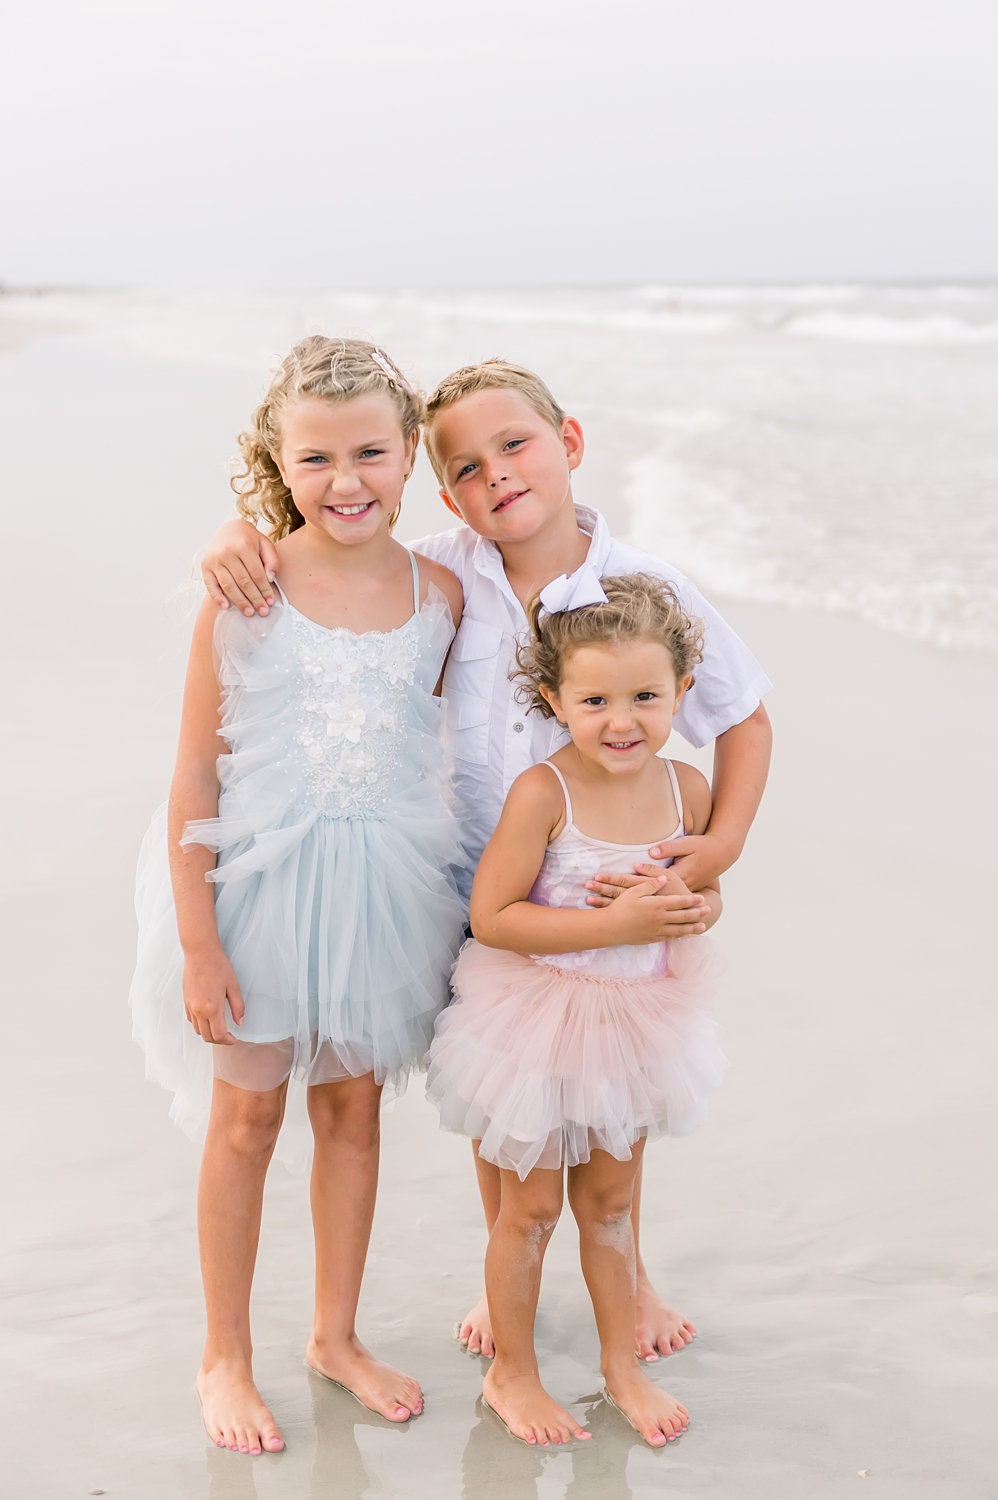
[656,1415]
[658,1327]
[377,1386]
[475,1333]
[527,1411]
[234,1412]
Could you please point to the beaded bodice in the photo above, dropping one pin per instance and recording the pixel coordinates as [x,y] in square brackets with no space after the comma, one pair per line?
[355,711]
[350,711]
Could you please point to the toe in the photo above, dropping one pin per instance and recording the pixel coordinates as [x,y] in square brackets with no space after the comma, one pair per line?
[487,1346]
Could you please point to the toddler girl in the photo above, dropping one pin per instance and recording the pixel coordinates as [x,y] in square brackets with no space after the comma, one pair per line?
[567,1045]
[316,921]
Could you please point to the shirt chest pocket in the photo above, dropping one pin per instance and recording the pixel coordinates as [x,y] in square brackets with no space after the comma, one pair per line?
[470,689]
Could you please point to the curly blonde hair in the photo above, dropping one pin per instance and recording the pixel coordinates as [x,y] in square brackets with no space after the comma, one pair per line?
[639,607]
[317,368]
[489,375]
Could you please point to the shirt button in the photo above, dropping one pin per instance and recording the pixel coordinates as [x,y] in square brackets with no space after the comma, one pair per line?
[517,728]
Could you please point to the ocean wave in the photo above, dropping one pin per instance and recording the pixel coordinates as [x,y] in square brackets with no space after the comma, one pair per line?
[505,310]
[711,526]
[872,328]
[813,292]
[248,330]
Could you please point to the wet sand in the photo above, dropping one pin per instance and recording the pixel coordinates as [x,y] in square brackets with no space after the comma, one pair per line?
[831,1228]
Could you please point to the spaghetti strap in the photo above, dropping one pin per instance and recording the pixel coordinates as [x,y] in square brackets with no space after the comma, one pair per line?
[678,796]
[415,582]
[569,816]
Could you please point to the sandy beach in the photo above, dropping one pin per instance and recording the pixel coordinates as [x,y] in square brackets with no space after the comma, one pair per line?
[831,1230]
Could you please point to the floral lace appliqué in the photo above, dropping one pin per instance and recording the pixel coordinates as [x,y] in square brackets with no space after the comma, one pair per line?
[351,711]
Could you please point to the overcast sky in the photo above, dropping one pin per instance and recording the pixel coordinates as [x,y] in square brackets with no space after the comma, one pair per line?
[320,143]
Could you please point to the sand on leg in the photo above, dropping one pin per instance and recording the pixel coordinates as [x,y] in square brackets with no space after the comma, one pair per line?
[600,1193]
[346,1122]
[528,1213]
[659,1328]
[242,1133]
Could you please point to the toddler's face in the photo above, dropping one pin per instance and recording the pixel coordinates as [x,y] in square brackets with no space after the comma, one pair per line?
[618,702]
[505,470]
[345,463]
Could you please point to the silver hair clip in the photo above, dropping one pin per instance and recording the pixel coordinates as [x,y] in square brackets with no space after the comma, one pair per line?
[386,369]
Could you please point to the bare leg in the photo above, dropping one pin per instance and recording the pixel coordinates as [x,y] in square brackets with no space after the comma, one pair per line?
[346,1122]
[528,1212]
[659,1327]
[600,1193]
[475,1332]
[241,1137]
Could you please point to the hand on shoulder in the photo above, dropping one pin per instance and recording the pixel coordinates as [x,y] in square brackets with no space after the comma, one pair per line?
[237,568]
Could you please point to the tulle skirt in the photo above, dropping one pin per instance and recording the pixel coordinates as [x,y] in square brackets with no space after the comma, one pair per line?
[342,934]
[545,1066]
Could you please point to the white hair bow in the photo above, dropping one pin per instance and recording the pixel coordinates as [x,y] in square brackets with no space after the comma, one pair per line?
[575,592]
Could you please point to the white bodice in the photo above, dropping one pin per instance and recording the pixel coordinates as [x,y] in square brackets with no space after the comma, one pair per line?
[351,711]
[574,857]
[329,722]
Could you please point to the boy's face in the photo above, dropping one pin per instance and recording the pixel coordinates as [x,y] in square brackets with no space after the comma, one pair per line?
[506,471]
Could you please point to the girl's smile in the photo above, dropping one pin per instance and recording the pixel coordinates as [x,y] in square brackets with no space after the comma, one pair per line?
[345,463]
[618,702]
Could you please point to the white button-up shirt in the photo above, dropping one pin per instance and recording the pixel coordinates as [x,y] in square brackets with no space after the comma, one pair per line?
[491,737]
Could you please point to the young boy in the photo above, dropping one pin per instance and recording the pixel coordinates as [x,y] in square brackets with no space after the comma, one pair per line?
[503,452]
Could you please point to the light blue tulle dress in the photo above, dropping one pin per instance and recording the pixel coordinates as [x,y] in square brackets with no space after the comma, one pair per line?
[334,893]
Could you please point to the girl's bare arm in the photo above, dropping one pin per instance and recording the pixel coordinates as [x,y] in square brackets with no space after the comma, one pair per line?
[208,978]
[503,917]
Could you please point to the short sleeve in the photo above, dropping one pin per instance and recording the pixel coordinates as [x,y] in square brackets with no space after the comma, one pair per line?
[729,684]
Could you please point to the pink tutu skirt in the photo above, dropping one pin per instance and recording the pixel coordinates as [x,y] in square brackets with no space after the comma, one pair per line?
[544,1065]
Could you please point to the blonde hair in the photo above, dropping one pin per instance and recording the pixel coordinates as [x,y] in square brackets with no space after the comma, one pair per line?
[489,375]
[318,368]
[639,607]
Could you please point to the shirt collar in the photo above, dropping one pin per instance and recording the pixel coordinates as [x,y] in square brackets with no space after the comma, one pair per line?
[488,559]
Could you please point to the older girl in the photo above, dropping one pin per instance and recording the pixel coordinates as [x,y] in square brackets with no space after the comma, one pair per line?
[316,919]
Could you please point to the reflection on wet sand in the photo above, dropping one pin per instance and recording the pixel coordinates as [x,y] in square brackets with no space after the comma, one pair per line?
[338,1467]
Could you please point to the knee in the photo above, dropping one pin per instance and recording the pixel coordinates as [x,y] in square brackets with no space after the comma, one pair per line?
[252,1123]
[605,1208]
[347,1116]
[534,1218]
